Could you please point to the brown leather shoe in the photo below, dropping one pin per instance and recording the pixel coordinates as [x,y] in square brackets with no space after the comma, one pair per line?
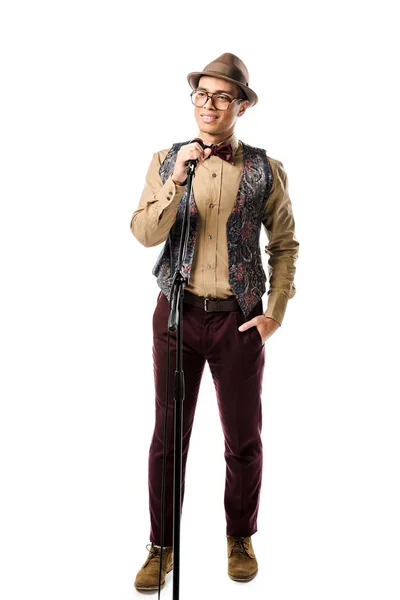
[147,577]
[242,562]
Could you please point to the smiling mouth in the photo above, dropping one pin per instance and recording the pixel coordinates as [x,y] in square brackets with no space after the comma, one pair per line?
[209,118]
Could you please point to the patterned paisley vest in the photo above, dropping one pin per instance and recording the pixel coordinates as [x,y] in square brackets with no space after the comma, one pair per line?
[246,275]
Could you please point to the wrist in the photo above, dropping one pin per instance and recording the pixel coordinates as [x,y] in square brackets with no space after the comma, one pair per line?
[272,319]
[177,181]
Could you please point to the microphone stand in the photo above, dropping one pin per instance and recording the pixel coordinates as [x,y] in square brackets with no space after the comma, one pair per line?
[175,322]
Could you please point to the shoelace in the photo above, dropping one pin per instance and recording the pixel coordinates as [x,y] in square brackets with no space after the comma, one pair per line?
[155,552]
[239,547]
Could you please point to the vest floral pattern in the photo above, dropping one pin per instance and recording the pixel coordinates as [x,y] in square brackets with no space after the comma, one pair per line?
[246,274]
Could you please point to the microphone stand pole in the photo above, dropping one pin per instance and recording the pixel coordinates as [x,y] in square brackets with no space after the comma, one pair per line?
[175,322]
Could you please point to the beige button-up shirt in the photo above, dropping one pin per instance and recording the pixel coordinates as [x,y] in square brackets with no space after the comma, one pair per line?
[215,187]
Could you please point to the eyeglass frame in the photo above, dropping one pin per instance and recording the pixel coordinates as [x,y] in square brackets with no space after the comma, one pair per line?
[210,95]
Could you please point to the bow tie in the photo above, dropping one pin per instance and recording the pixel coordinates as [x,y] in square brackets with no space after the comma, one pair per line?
[223,151]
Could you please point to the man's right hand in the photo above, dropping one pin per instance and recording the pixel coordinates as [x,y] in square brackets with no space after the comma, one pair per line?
[192,151]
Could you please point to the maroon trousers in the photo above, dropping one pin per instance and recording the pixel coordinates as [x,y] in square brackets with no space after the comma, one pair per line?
[236,360]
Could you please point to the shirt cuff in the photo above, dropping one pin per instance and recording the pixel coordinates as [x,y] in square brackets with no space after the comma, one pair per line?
[276,308]
[169,194]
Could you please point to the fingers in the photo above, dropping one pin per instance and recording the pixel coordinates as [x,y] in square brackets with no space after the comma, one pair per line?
[248,324]
[252,323]
[192,151]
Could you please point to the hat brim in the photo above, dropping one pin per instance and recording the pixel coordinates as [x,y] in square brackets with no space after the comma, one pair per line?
[193,79]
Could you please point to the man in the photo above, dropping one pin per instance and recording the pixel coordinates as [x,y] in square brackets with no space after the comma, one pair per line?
[236,189]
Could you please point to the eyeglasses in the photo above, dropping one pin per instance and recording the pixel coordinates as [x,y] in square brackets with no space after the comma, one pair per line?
[220,101]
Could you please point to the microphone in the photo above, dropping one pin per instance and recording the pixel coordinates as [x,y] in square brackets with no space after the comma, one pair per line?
[193,162]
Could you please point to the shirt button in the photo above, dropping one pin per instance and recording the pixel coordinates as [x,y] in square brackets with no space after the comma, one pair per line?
[210,237]
[214,174]
[208,266]
[211,205]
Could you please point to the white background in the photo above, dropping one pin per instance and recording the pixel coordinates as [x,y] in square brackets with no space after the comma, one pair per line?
[80,120]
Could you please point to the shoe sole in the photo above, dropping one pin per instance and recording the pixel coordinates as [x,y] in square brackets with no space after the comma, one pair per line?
[150,588]
[243,579]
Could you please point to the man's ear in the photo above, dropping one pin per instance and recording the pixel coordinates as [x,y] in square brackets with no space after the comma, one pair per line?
[243,107]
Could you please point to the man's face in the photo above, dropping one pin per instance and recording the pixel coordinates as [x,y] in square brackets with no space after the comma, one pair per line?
[216,122]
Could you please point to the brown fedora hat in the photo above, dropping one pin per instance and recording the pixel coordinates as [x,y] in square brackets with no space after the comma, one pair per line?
[228,67]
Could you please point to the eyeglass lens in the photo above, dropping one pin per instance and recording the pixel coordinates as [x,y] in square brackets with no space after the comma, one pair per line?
[220,101]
